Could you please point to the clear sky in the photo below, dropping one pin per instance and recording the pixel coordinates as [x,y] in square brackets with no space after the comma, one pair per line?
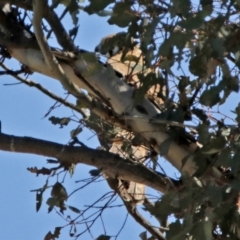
[21,113]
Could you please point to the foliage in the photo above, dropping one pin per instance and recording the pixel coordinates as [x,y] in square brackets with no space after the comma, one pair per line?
[191,52]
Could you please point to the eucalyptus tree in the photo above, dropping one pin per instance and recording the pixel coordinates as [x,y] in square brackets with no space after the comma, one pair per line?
[153,89]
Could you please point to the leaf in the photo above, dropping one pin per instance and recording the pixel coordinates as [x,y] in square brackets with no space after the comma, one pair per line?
[214,195]
[52,161]
[74,209]
[165,206]
[235,162]
[103,237]
[202,230]
[95,172]
[61,121]
[59,192]
[96,6]
[74,133]
[197,66]
[39,199]
[203,133]
[72,7]
[193,22]
[73,32]
[224,159]
[214,145]
[174,229]
[121,9]
[165,145]
[182,7]
[43,171]
[143,235]
[210,97]
[52,202]
[56,234]
[201,115]
[237,112]
[178,39]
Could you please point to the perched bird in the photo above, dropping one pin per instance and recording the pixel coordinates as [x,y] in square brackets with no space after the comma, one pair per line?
[126,58]
[129,191]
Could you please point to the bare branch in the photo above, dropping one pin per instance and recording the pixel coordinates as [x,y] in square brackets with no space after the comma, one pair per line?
[62,37]
[31,83]
[143,222]
[113,165]
[132,210]
[50,59]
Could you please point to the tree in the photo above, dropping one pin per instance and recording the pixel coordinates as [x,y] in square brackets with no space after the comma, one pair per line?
[160,91]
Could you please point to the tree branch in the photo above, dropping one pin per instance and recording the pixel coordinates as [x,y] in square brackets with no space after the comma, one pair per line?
[62,37]
[52,62]
[132,210]
[119,94]
[113,165]
[143,222]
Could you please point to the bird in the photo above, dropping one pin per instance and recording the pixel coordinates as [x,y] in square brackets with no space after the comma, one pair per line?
[126,58]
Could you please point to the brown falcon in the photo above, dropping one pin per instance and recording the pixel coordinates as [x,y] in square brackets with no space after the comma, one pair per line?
[126,58]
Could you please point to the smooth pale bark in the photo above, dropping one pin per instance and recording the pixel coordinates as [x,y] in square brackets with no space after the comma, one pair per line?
[118,93]
[104,83]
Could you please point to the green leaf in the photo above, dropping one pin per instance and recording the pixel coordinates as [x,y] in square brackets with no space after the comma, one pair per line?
[96,6]
[72,7]
[224,159]
[143,235]
[210,97]
[167,205]
[181,7]
[56,234]
[39,199]
[76,210]
[75,132]
[202,230]
[213,193]
[235,162]
[215,145]
[203,133]
[95,172]
[121,9]
[52,202]
[73,32]
[61,121]
[237,112]
[59,192]
[197,66]
[103,237]
[174,229]
[178,39]
[193,22]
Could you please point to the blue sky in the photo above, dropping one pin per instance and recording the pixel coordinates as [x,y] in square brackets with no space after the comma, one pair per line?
[21,113]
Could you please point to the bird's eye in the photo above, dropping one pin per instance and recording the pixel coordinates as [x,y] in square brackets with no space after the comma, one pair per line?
[115,50]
